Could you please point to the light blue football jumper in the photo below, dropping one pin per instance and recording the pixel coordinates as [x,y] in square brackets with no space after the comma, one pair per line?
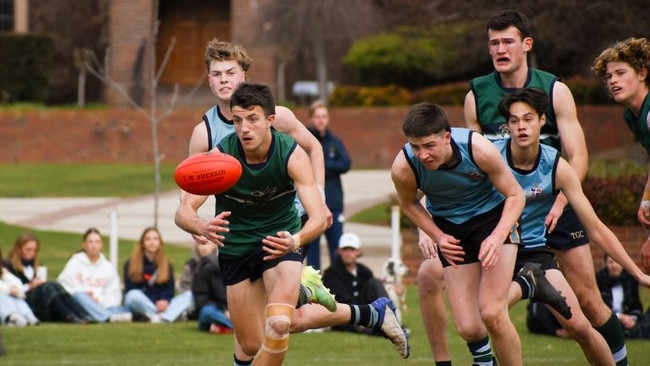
[456,193]
[538,184]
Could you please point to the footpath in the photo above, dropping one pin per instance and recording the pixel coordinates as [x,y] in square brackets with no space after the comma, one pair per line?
[362,189]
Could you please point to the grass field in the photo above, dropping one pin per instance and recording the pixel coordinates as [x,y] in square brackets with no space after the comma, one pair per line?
[137,344]
[82,180]
[180,343]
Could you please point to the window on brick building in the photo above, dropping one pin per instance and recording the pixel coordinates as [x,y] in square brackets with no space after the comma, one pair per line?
[6,15]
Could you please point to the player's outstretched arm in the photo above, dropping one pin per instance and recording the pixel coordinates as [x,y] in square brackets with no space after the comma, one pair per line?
[287,123]
[311,199]
[407,197]
[188,219]
[567,181]
[643,214]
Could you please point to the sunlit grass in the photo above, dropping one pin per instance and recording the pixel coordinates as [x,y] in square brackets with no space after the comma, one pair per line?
[82,180]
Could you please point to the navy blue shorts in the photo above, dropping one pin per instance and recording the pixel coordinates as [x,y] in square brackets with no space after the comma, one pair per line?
[569,232]
[251,266]
[543,256]
[472,232]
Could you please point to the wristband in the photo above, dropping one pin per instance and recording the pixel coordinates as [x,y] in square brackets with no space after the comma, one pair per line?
[321,190]
[645,205]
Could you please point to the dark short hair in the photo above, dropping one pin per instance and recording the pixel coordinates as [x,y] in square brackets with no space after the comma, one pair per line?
[506,18]
[249,95]
[534,97]
[91,230]
[425,119]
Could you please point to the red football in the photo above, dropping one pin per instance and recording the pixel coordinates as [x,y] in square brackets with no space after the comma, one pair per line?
[208,173]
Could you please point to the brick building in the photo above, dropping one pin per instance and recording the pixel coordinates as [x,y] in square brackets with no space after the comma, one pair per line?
[190,23]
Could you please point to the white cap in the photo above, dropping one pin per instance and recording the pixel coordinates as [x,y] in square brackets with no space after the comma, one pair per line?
[349,240]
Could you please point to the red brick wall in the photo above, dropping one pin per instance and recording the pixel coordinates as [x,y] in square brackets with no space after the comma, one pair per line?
[130,25]
[372,135]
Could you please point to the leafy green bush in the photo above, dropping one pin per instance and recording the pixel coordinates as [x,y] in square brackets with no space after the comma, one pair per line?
[588,90]
[391,58]
[412,57]
[615,198]
[26,62]
[390,95]
[446,94]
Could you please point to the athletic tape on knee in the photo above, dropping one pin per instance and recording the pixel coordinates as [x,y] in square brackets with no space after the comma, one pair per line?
[275,342]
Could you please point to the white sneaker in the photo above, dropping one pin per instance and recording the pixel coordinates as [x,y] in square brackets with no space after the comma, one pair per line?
[16,320]
[121,318]
[155,319]
[316,330]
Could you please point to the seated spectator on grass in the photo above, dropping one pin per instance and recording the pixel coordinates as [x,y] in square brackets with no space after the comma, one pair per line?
[48,299]
[93,281]
[620,291]
[185,283]
[14,310]
[149,281]
[350,281]
[209,292]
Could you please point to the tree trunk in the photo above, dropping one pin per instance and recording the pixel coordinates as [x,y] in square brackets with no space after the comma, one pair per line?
[321,67]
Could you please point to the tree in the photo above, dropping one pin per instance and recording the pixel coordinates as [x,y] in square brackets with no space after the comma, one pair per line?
[568,34]
[154,114]
[84,28]
[324,28]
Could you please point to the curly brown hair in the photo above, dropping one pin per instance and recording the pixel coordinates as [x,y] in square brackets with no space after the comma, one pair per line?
[633,51]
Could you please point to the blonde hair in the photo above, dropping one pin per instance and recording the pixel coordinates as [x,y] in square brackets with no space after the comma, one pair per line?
[633,51]
[314,106]
[217,50]
[15,255]
[136,260]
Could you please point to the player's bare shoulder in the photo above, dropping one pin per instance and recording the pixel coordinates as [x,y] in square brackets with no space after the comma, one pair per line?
[199,139]
[400,171]
[285,120]
[485,154]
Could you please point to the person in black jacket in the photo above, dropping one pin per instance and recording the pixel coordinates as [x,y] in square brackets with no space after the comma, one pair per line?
[49,301]
[209,292]
[350,281]
[337,162]
[620,291]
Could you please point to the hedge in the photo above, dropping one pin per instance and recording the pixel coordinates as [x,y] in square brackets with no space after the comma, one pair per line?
[26,62]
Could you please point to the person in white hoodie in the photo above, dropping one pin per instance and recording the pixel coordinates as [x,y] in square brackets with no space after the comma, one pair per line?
[14,310]
[93,281]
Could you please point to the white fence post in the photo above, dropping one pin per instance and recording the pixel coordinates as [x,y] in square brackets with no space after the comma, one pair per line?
[396,243]
[114,240]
